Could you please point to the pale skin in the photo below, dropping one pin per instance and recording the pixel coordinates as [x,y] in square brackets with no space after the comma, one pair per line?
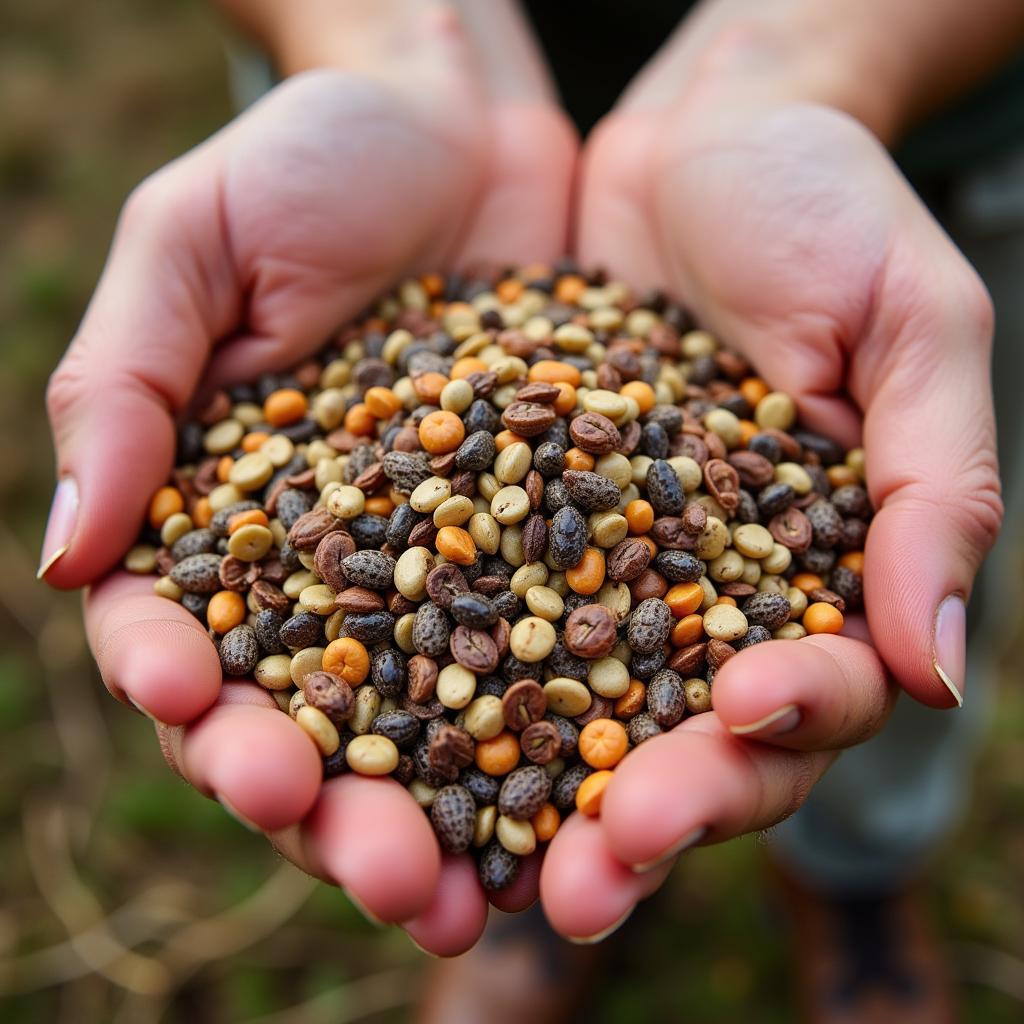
[740,178]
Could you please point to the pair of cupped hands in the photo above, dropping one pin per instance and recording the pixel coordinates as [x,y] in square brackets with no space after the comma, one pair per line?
[783,225]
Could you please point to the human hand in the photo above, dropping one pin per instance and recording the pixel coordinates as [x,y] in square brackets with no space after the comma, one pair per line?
[242,257]
[788,230]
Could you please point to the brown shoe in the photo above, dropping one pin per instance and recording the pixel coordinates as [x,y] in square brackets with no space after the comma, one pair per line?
[520,970]
[868,959]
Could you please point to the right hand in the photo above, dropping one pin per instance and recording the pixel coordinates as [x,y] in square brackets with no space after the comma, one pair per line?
[242,257]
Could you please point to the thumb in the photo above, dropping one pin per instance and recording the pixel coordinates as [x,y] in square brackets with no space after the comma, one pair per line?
[932,473]
[132,367]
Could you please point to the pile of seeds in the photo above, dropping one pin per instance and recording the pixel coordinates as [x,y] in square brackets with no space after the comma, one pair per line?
[502,530]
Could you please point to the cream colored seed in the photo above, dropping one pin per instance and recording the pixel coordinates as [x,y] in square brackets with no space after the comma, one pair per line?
[608,677]
[274,672]
[483,826]
[545,602]
[698,695]
[411,571]
[281,699]
[457,396]
[329,408]
[751,571]
[607,528]
[790,631]
[454,511]
[487,486]
[795,475]
[319,728]
[503,397]
[431,493]
[318,598]
[616,598]
[308,560]
[141,559]
[511,545]
[365,709]
[166,587]
[726,567]
[346,502]
[616,467]
[555,767]
[250,542]
[776,410]
[724,622]
[710,594]
[175,527]
[779,560]
[484,718]
[371,755]
[689,473]
[607,403]
[484,530]
[295,701]
[455,686]
[696,344]
[513,463]
[797,602]
[516,836]
[532,639]
[422,793]
[533,574]
[249,414]
[726,425]
[395,344]
[558,583]
[316,451]
[305,663]
[510,505]
[251,471]
[855,460]
[403,633]
[223,437]
[332,627]
[337,373]
[638,466]
[566,696]
[224,495]
[572,337]
[712,540]
[753,540]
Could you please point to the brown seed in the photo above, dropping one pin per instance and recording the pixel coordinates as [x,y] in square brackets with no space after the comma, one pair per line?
[237,575]
[627,560]
[826,596]
[266,595]
[371,478]
[792,529]
[501,634]
[474,649]
[538,391]
[648,584]
[311,528]
[719,652]
[590,631]
[534,487]
[422,673]
[687,660]
[359,600]
[528,419]
[594,433]
[330,694]
[442,465]
[754,470]
[332,550]
[722,482]
[671,534]
[535,538]
[524,792]
[444,583]
[451,748]
[523,704]
[694,519]
[600,707]
[423,534]
[541,742]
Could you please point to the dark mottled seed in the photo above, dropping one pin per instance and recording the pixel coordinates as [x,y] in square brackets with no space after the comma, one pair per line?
[649,625]
[523,704]
[239,651]
[330,694]
[853,535]
[453,814]
[336,764]
[563,789]
[198,574]
[388,671]
[663,489]
[267,629]
[430,631]
[524,792]
[642,727]
[407,470]
[368,531]
[568,732]
[775,498]
[680,566]
[196,604]
[643,666]
[826,523]
[445,583]
[481,415]
[476,452]
[755,635]
[483,787]
[567,539]
[400,727]
[400,523]
[302,630]
[498,867]
[766,609]
[556,496]
[666,699]
[195,542]
[473,610]
[851,500]
[506,604]
[654,441]
[370,627]
[591,491]
[549,459]
[816,560]
[371,569]
[849,586]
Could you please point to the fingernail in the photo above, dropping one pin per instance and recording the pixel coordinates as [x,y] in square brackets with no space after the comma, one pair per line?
[690,839]
[950,645]
[591,940]
[138,707]
[60,526]
[782,720]
[237,815]
[369,915]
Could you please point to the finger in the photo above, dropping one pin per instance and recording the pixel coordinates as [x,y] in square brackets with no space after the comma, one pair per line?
[937,484]
[586,891]
[732,786]
[151,651]
[820,693]
[455,917]
[371,838]
[248,755]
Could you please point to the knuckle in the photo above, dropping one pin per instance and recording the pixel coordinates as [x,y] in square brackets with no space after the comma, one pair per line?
[66,386]
[146,202]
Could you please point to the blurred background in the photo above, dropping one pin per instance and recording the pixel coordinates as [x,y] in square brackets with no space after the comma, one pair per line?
[127,897]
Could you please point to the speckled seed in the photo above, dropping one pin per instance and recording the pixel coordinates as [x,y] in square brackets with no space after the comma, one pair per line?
[239,652]
[649,625]
[498,867]
[666,698]
[524,792]
[371,754]
[319,728]
[197,574]
[724,622]
[453,815]
[766,609]
[372,569]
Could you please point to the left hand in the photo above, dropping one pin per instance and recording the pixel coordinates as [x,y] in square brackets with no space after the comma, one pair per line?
[788,230]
